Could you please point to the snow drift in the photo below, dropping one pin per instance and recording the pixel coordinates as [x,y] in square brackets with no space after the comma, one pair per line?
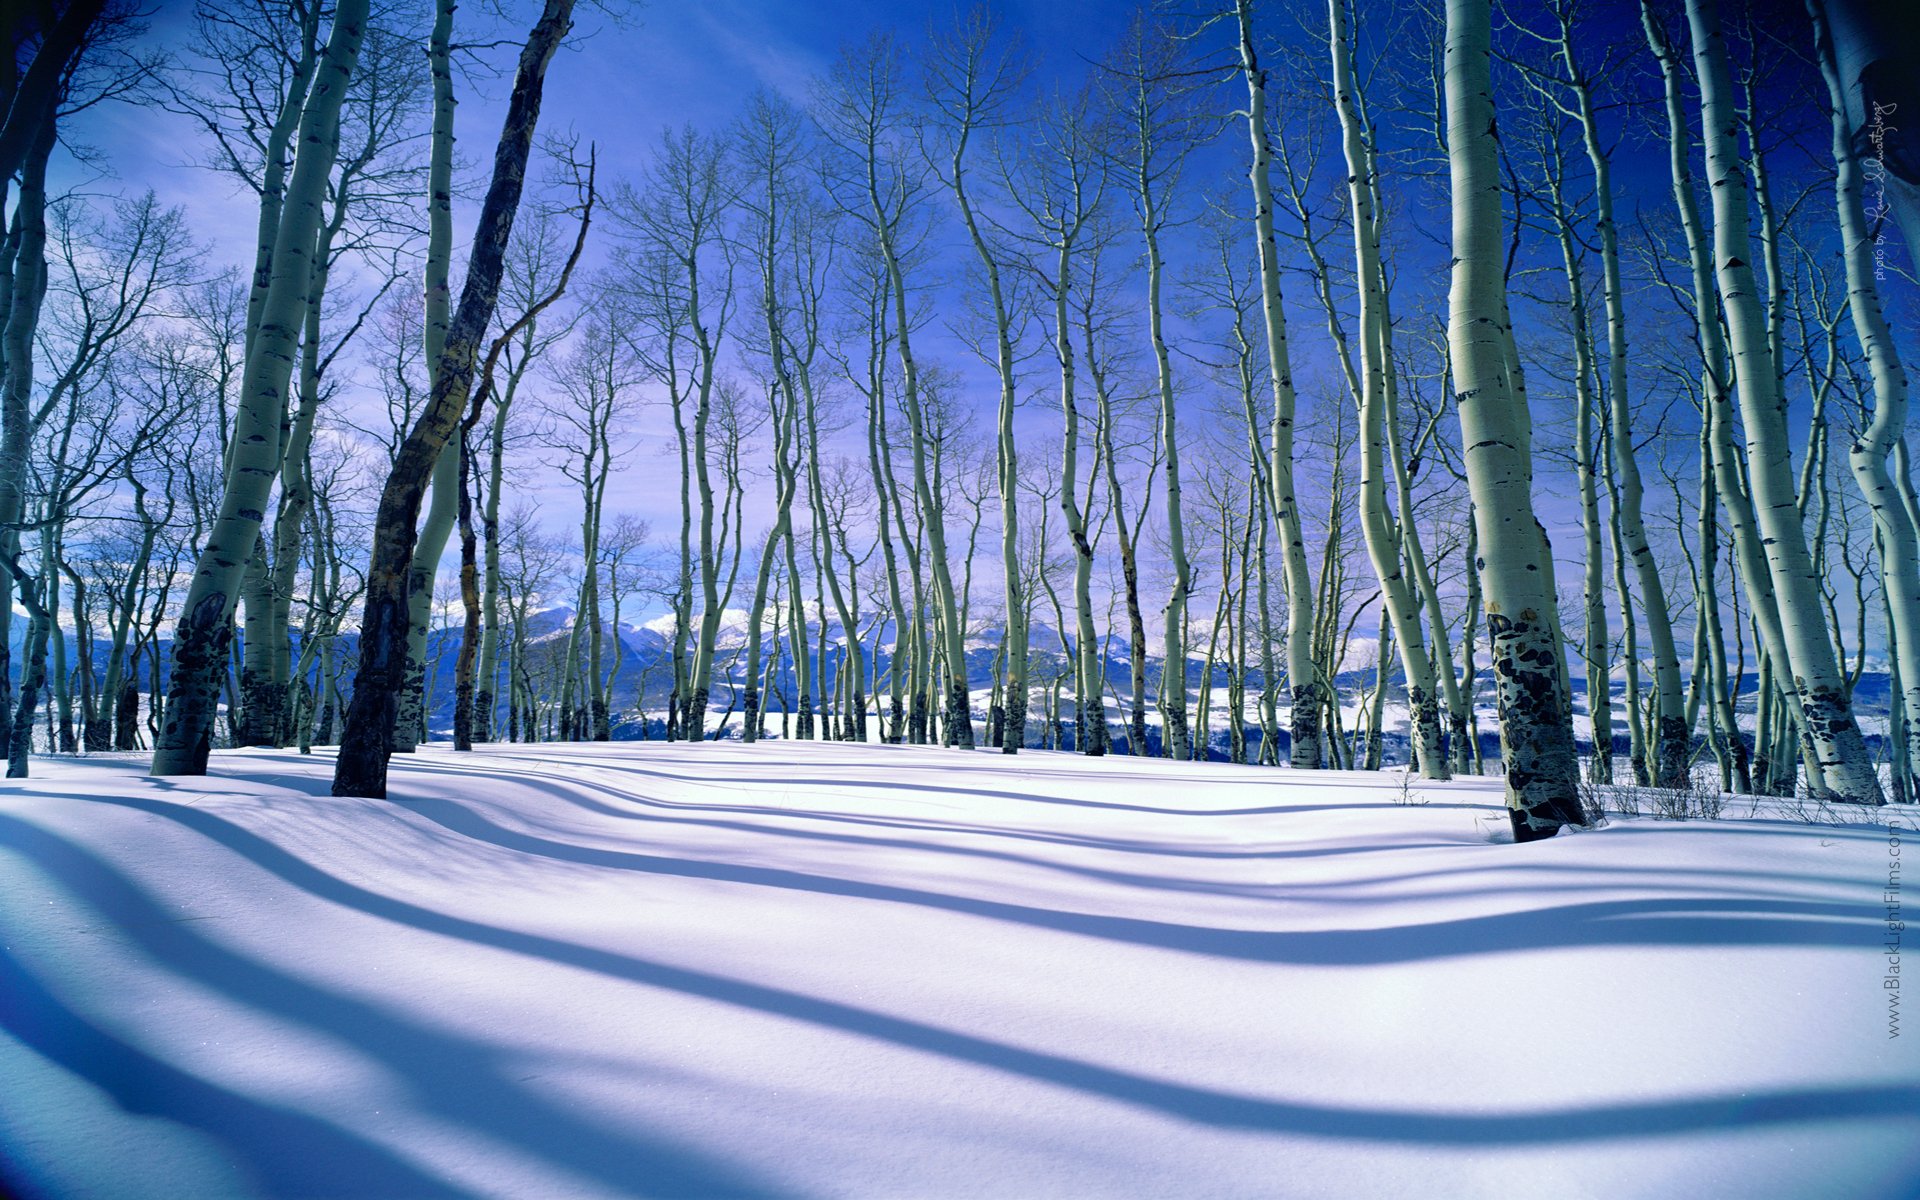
[803,969]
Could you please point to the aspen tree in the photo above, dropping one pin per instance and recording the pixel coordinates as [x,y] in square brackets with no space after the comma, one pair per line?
[1516,576]
[1671,730]
[859,113]
[767,149]
[1327,607]
[334,587]
[536,276]
[1637,711]
[1729,481]
[80,316]
[780,413]
[1405,456]
[1233,295]
[122,671]
[1595,649]
[596,383]
[361,769]
[972,84]
[1337,588]
[204,635]
[800,709]
[911,642]
[1092,323]
[79,456]
[1307,689]
[838,513]
[804,352]
[800,343]
[29,99]
[681,218]
[1707,594]
[1060,192]
[1906,714]
[732,423]
[379,103]
[1159,133]
[1898,539]
[1383,539]
[443,498]
[1253,518]
[871,382]
[1810,670]
[1407,529]
[1875,51]
[231,39]
[657,274]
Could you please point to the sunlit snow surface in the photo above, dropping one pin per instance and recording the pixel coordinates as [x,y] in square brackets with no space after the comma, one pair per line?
[892,972]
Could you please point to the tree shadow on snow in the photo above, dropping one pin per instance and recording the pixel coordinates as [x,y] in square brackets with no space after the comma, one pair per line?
[1319,891]
[1715,921]
[1608,924]
[454,1078]
[571,790]
[282,1152]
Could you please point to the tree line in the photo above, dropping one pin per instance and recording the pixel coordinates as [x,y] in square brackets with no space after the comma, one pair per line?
[968,354]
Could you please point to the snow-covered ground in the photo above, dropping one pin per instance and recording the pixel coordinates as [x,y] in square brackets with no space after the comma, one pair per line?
[649,969]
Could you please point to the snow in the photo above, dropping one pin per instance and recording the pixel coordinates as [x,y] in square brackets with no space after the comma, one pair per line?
[799,969]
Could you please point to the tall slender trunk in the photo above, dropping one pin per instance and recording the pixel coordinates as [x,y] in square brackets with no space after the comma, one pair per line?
[1898,537]
[443,500]
[902,653]
[968,107]
[296,500]
[797,643]
[784,484]
[1720,687]
[487,673]
[1671,732]
[27,279]
[257,723]
[700,686]
[908,622]
[1729,481]
[361,768]
[856,707]
[205,631]
[1382,537]
[1516,561]
[1826,716]
[953,637]
[463,689]
[1128,540]
[1307,688]
[1173,664]
[1639,744]
[60,707]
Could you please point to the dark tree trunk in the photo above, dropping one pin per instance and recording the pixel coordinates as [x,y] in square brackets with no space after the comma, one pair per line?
[365,743]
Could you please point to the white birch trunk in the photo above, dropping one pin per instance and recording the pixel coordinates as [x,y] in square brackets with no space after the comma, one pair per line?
[1307,688]
[1813,675]
[1382,538]
[1898,539]
[202,640]
[443,500]
[1516,564]
[1671,732]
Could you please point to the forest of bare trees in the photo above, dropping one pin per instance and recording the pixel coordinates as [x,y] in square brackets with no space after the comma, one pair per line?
[1507,389]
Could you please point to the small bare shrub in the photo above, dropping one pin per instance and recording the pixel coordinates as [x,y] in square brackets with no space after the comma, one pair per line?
[1407,794]
[1593,802]
[1803,806]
